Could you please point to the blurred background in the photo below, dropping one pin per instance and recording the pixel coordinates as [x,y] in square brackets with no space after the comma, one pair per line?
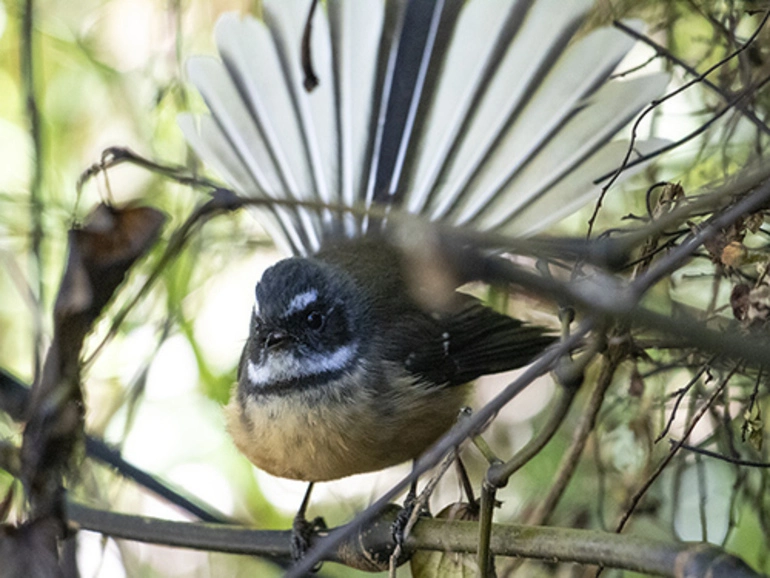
[111,73]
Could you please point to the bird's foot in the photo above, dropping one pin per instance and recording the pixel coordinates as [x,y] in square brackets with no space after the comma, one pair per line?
[400,526]
[302,532]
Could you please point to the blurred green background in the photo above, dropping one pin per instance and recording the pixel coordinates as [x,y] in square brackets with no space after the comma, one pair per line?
[111,73]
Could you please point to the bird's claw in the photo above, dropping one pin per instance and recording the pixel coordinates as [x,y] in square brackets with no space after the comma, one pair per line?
[302,531]
[399,526]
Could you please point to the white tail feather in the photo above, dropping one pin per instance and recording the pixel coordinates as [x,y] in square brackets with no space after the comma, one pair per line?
[577,139]
[580,188]
[510,135]
[356,30]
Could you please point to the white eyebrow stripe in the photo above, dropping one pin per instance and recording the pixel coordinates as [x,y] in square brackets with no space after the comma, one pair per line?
[284,366]
[301,301]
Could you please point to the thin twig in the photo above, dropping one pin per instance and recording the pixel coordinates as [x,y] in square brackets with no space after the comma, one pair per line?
[639,494]
[634,130]
[668,55]
[310,81]
[28,63]
[179,239]
[718,456]
[679,396]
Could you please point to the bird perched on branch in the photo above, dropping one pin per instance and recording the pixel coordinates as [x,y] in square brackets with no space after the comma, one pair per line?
[485,114]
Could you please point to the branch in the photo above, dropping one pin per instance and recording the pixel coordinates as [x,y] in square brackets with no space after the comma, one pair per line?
[569,462]
[100,256]
[14,400]
[365,549]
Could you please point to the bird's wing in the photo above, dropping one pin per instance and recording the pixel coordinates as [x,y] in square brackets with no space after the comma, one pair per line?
[457,348]
[484,113]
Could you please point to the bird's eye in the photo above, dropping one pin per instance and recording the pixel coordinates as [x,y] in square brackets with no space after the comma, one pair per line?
[315,320]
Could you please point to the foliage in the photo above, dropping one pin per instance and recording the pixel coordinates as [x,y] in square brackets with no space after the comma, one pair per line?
[665,437]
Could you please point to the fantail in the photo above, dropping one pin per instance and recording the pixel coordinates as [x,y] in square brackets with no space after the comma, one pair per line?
[483,114]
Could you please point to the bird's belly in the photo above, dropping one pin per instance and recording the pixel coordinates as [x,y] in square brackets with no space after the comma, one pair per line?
[293,437]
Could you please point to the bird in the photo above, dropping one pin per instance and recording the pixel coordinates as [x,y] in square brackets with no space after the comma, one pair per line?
[497,116]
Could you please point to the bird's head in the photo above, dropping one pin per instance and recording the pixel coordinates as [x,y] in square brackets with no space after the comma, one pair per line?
[306,327]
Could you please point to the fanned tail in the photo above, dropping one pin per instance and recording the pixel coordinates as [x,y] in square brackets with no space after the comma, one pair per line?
[485,113]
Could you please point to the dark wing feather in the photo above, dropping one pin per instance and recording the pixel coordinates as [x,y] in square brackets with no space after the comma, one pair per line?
[457,348]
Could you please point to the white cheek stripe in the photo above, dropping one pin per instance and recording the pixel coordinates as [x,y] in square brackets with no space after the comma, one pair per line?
[301,301]
[284,366]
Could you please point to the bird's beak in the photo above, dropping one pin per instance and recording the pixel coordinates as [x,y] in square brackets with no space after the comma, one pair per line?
[275,338]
